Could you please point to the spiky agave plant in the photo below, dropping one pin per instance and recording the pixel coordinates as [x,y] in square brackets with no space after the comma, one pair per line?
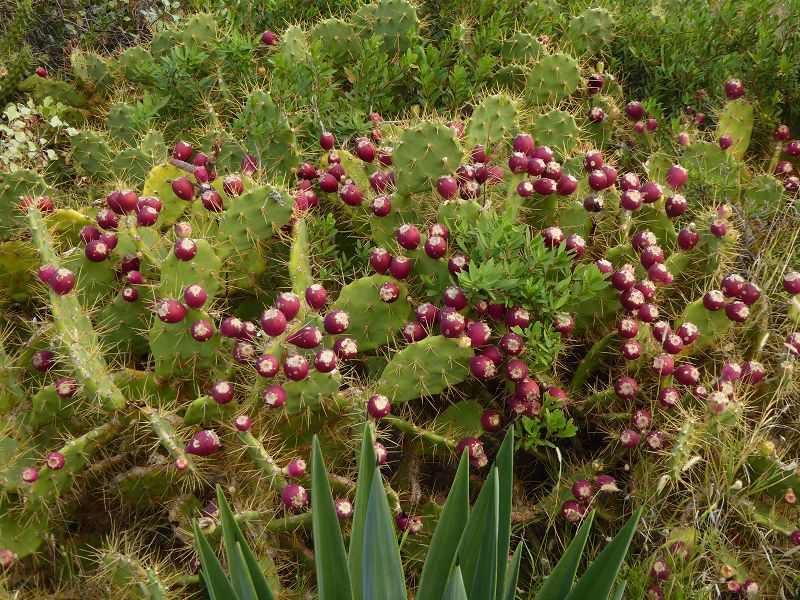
[468,556]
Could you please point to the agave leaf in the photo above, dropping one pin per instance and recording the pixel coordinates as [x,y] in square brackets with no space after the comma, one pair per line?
[366,467]
[505,473]
[596,582]
[512,574]
[229,524]
[333,579]
[381,569]
[455,588]
[217,584]
[619,591]
[559,582]
[478,549]
[446,537]
[241,578]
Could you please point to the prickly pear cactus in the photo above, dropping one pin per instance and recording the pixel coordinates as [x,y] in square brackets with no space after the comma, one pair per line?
[210,278]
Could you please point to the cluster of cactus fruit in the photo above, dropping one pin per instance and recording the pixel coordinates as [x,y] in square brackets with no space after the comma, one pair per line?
[541,264]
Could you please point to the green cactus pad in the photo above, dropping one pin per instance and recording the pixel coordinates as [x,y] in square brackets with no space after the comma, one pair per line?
[74,330]
[159,184]
[254,217]
[123,325]
[133,165]
[554,78]
[394,21]
[736,120]
[425,368]
[18,260]
[174,350]
[460,420]
[230,153]
[13,188]
[312,392]
[144,386]
[712,323]
[521,48]
[203,269]
[707,162]
[144,486]
[133,61]
[764,194]
[199,31]
[268,134]
[373,323]
[558,130]
[204,411]
[92,154]
[424,154]
[121,121]
[48,406]
[541,12]
[492,122]
[772,476]
[92,70]
[590,32]
[294,44]
[21,534]
[338,38]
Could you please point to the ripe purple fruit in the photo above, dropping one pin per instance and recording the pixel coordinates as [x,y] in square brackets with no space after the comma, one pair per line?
[563,323]
[628,328]
[631,200]
[183,188]
[598,180]
[97,251]
[572,511]
[634,110]
[232,186]
[380,260]
[66,387]
[655,441]
[222,392]
[725,141]
[267,365]
[427,314]
[687,375]
[170,311]
[454,297]
[737,311]
[669,397]
[511,344]
[675,205]
[516,370]
[297,468]
[629,438]
[457,263]
[344,508]
[714,300]
[183,151]
[408,236]
[732,285]
[351,194]
[306,338]
[268,38]
[451,323]
[474,449]
[651,192]
[631,350]
[389,292]
[243,352]
[289,304]
[294,497]
[663,365]
[365,149]
[734,89]
[626,388]
[593,203]
[274,396]
[688,237]
[435,247]
[378,406]
[203,443]
[55,461]
[750,293]
[553,237]
[336,322]
[595,83]
[381,206]
[327,140]
[582,490]
[447,187]
[524,143]
[295,367]
[518,163]
[400,267]
[791,282]
[491,420]
[243,423]
[345,348]
[202,330]
[380,453]
[30,475]
[316,296]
